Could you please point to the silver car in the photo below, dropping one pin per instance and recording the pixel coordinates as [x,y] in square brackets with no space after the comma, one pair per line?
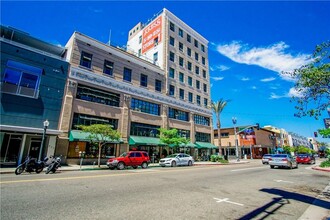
[179,159]
[265,158]
[282,160]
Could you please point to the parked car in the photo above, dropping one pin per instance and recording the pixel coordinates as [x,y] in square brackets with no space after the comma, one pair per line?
[131,158]
[282,160]
[265,158]
[305,158]
[179,159]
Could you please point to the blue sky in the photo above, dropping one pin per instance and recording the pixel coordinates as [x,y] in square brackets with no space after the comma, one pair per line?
[251,43]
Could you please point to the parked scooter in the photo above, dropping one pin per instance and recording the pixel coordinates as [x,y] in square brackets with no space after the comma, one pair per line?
[54,164]
[31,165]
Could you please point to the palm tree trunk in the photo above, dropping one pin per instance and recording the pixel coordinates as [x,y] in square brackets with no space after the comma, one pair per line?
[219,137]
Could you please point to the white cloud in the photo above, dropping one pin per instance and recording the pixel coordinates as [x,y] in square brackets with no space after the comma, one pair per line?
[292,93]
[268,79]
[273,57]
[219,68]
[217,78]
[253,87]
[245,79]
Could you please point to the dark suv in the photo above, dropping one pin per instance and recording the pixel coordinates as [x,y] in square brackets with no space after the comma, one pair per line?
[131,158]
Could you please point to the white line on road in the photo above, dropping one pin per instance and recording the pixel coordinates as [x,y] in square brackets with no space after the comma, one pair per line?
[252,168]
[283,181]
[227,200]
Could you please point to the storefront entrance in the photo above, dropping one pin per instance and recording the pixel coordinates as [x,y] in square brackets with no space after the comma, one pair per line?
[10,146]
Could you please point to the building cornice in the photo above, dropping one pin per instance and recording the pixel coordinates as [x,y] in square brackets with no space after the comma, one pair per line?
[106,82]
[29,129]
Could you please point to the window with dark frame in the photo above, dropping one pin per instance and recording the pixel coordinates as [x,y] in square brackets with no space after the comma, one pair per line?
[145,107]
[86,59]
[158,85]
[198,99]
[172,41]
[181,77]
[180,32]
[178,114]
[127,75]
[143,80]
[172,56]
[196,43]
[181,94]
[172,90]
[190,81]
[181,46]
[171,73]
[190,97]
[108,67]
[172,27]
[188,38]
[181,61]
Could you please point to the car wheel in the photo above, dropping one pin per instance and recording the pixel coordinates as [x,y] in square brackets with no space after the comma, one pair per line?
[111,168]
[120,166]
[144,165]
[173,164]
[272,167]
[189,163]
[291,167]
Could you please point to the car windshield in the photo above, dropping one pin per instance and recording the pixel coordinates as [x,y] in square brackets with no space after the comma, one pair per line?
[123,154]
[279,155]
[172,155]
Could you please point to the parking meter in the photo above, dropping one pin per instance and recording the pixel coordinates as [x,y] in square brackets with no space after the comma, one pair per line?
[81,155]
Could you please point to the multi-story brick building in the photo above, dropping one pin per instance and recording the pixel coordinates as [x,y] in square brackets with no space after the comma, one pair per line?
[33,76]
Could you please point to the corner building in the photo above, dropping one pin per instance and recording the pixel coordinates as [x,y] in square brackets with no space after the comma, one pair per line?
[135,95]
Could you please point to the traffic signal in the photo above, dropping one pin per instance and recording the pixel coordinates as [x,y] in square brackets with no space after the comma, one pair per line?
[258,126]
[315,134]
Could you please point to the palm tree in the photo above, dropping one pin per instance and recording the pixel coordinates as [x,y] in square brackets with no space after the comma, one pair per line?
[217,108]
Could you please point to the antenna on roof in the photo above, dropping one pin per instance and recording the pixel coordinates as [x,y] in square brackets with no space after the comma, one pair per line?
[109,42]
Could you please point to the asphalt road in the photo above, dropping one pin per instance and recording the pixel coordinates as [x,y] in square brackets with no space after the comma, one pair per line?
[244,191]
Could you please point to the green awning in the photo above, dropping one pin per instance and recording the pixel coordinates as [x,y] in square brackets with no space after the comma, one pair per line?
[185,145]
[201,145]
[76,135]
[139,140]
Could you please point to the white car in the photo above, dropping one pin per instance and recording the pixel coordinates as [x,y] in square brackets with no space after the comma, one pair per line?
[179,159]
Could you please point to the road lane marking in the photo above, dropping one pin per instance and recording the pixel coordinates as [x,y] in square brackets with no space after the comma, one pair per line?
[283,181]
[251,168]
[227,200]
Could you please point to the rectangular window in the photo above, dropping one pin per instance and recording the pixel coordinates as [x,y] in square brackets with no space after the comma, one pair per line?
[158,85]
[139,129]
[178,114]
[82,119]
[172,27]
[155,57]
[181,46]
[198,84]
[198,99]
[127,75]
[196,43]
[181,61]
[203,60]
[172,90]
[21,79]
[86,59]
[156,41]
[189,80]
[190,97]
[181,77]
[143,80]
[204,74]
[188,51]
[202,137]
[144,106]
[139,52]
[181,93]
[204,87]
[108,67]
[140,39]
[197,70]
[180,32]
[205,102]
[98,96]
[189,66]
[172,57]
[188,38]
[172,41]
[196,56]
[201,120]
[171,73]
[203,47]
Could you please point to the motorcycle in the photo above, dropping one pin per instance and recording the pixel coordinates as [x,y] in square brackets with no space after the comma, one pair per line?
[54,165]
[31,165]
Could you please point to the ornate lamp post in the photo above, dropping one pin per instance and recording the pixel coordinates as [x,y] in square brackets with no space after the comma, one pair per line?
[46,124]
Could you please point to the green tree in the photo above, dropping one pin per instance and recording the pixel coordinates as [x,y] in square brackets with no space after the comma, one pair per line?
[313,83]
[171,137]
[101,134]
[324,132]
[288,149]
[217,108]
[303,150]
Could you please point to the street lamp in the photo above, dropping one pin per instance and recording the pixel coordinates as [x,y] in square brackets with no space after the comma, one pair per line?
[46,124]
[236,147]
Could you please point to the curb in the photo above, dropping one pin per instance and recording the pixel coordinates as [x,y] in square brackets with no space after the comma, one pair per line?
[321,169]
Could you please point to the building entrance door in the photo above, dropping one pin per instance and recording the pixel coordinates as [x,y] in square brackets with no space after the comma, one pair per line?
[10,146]
[34,147]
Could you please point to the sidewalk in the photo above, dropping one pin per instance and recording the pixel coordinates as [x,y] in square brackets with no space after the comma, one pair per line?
[74,167]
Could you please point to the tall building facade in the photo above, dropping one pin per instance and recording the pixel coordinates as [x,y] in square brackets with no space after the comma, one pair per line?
[33,77]
[182,53]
